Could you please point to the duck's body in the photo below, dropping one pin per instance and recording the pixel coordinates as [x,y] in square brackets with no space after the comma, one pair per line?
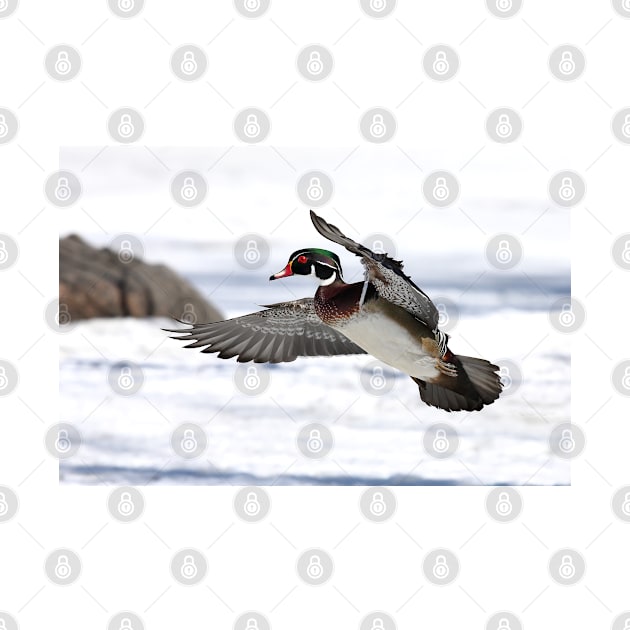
[386,315]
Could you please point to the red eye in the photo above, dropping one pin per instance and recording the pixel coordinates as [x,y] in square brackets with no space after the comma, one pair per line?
[302,259]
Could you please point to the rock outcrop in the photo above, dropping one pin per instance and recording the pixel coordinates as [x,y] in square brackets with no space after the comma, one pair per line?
[103,283]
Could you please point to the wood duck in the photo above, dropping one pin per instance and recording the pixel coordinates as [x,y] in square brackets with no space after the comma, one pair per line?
[385,315]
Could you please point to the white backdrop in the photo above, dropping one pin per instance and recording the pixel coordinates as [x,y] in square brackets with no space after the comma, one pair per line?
[569,123]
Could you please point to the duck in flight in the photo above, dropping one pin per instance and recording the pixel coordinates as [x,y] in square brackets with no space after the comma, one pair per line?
[385,315]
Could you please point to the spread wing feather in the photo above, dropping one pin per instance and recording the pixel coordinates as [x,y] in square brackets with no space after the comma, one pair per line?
[280,333]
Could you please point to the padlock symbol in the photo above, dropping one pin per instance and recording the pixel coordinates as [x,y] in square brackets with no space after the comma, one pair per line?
[126,128]
[189,315]
[126,379]
[567,568]
[4,128]
[63,317]
[504,376]
[440,189]
[377,127]
[567,443]
[252,253]
[504,253]
[252,5]
[4,5]
[440,441]
[378,5]
[504,126]
[63,443]
[126,5]
[252,380]
[314,64]
[567,63]
[125,504]
[504,624]
[4,506]
[63,570]
[252,624]
[440,63]
[62,190]
[189,63]
[625,506]
[567,316]
[252,504]
[378,247]
[314,443]
[626,7]
[567,189]
[625,381]
[189,441]
[189,190]
[125,252]
[504,505]
[377,624]
[504,5]
[625,254]
[625,127]
[315,190]
[626,623]
[252,126]
[377,504]
[4,381]
[4,254]
[189,568]
[442,314]
[63,65]
[125,624]
[440,568]
[377,380]
[315,569]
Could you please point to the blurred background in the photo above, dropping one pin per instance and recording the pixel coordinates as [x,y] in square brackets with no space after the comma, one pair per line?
[482,238]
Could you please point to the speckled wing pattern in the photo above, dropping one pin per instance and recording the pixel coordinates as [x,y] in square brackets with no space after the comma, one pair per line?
[387,276]
[280,333]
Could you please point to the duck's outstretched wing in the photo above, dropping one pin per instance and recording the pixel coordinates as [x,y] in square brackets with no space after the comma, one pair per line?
[280,333]
[386,274]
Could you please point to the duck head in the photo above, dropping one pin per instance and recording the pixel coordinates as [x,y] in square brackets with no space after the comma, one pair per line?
[321,263]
